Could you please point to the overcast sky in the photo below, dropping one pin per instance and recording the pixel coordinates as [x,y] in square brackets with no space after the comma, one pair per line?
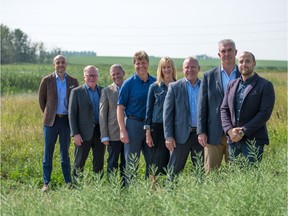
[160,27]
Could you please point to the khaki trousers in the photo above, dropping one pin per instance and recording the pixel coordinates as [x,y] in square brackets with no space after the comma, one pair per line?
[213,154]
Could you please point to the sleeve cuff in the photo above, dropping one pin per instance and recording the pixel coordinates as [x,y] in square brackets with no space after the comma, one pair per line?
[105,139]
[146,127]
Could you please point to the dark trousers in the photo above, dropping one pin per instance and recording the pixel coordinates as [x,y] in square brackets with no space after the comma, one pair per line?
[180,154]
[116,151]
[159,152]
[253,152]
[82,152]
[60,128]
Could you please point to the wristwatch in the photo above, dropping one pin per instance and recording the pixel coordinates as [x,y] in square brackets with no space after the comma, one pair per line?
[241,133]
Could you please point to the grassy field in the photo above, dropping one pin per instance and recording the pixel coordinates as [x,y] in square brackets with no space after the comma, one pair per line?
[25,78]
[207,63]
[232,190]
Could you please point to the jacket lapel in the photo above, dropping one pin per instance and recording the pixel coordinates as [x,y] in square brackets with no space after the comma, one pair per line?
[69,85]
[184,93]
[86,94]
[99,91]
[53,85]
[250,86]
[234,91]
[115,93]
[217,76]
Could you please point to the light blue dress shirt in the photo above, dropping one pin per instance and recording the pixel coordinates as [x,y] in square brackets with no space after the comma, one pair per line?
[226,79]
[193,98]
[94,97]
[62,105]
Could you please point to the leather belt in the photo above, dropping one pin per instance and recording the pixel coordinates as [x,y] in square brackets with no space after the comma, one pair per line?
[135,118]
[193,130]
[61,115]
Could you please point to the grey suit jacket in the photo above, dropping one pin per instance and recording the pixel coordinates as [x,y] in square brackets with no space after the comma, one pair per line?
[80,113]
[176,114]
[48,96]
[256,109]
[210,98]
[107,113]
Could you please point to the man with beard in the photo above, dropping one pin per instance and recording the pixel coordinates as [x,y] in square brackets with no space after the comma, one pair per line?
[246,107]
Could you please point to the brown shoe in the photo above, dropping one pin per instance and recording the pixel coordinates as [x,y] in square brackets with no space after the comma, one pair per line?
[153,181]
[45,188]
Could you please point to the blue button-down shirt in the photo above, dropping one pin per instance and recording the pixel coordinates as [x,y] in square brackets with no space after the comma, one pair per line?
[193,98]
[62,105]
[226,79]
[133,95]
[94,97]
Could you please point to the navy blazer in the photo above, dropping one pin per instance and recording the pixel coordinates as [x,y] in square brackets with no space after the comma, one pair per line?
[211,95]
[80,112]
[255,111]
[176,112]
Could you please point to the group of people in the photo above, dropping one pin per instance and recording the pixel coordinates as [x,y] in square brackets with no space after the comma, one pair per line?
[167,119]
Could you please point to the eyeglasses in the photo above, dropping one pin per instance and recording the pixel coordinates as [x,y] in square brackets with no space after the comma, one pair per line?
[91,76]
[60,62]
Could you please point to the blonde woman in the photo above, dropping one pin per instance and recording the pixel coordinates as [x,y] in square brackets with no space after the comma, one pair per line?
[166,73]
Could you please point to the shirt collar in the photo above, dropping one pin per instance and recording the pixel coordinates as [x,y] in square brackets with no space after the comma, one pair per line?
[196,84]
[56,75]
[138,77]
[88,88]
[249,80]
[234,70]
[117,87]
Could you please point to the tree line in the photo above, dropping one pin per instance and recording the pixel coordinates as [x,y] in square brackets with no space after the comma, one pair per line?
[17,47]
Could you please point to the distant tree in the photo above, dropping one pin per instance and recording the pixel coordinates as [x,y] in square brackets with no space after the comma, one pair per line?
[78,53]
[31,55]
[7,49]
[21,46]
[42,54]
[203,57]
[16,47]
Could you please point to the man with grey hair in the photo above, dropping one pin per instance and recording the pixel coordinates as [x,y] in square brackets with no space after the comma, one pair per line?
[213,86]
[110,133]
[84,122]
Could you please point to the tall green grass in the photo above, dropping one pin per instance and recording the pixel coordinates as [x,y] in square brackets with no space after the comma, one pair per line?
[229,191]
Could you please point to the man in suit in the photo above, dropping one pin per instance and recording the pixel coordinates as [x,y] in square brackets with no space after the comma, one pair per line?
[214,83]
[180,118]
[84,122]
[54,91]
[246,107]
[110,133]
